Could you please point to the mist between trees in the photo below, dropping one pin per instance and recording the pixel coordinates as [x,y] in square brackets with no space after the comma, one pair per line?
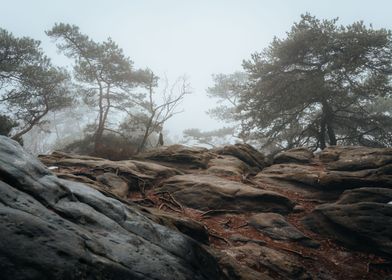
[322,84]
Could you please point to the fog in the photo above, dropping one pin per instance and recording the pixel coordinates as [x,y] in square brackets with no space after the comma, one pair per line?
[174,37]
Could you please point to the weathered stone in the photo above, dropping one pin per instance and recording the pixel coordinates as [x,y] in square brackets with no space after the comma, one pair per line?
[298,209]
[379,195]
[233,270]
[117,185]
[276,227]
[206,192]
[228,166]
[363,226]
[355,158]
[297,155]
[317,177]
[304,174]
[56,229]
[177,154]
[131,169]
[266,259]
[183,224]
[243,239]
[246,153]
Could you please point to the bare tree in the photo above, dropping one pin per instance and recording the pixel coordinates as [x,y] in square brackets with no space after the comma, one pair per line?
[152,114]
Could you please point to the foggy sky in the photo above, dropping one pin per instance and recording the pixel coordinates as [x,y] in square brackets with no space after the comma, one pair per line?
[197,38]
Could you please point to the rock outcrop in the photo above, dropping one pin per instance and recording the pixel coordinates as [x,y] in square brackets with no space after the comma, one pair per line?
[186,157]
[206,192]
[56,229]
[190,213]
[275,226]
[297,155]
[245,153]
[360,219]
[335,168]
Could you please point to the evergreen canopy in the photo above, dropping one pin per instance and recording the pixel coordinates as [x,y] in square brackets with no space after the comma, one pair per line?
[323,84]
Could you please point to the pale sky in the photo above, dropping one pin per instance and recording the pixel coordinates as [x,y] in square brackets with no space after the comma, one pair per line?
[197,38]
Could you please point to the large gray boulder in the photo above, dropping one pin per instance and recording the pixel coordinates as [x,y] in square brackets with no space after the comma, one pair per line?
[354,158]
[246,153]
[208,192]
[179,155]
[276,227]
[337,168]
[360,219]
[52,228]
[132,170]
[296,155]
[280,264]
[228,166]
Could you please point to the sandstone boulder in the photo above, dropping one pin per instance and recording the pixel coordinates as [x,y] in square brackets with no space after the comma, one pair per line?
[355,158]
[326,180]
[135,172]
[244,152]
[365,226]
[276,227]
[378,195]
[264,259]
[116,184]
[297,155]
[183,224]
[228,166]
[179,155]
[207,192]
[57,229]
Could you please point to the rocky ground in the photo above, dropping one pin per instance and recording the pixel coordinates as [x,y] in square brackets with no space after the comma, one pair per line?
[192,213]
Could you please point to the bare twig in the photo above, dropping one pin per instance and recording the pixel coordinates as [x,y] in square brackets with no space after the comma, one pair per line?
[296,253]
[168,206]
[171,200]
[213,234]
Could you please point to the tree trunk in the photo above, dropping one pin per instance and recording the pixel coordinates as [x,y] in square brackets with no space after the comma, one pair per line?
[103,114]
[33,122]
[329,115]
[146,134]
[322,132]
[331,134]
[326,125]
[99,131]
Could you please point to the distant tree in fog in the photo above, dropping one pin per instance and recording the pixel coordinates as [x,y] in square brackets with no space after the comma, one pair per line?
[149,115]
[30,86]
[106,76]
[211,138]
[320,86]
[226,90]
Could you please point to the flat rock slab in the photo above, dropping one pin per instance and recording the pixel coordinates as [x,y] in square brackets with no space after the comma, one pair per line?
[228,166]
[328,180]
[180,155]
[57,229]
[260,258]
[379,195]
[297,155]
[352,158]
[207,192]
[244,152]
[365,226]
[139,170]
[303,174]
[276,227]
